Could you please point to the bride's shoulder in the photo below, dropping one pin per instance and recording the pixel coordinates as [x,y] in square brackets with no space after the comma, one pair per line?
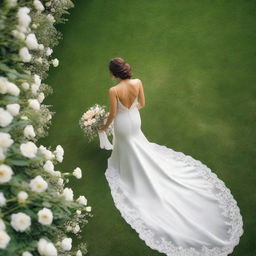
[112,89]
[136,80]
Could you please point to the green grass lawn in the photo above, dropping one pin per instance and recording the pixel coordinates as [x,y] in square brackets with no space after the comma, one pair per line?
[197,62]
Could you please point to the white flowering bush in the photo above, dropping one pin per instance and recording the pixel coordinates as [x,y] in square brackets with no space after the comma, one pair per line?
[38,213]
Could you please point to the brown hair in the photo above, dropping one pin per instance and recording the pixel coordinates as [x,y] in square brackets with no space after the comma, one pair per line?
[119,68]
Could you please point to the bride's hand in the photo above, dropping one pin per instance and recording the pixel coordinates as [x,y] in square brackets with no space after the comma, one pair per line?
[103,129]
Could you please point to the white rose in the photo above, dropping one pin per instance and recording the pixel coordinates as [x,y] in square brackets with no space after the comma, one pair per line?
[48,166]
[25,85]
[11,3]
[3,85]
[38,184]
[26,254]
[41,97]
[82,200]
[79,253]
[50,250]
[66,244]
[13,109]
[25,55]
[46,248]
[23,18]
[38,5]
[76,229]
[5,118]
[88,208]
[22,197]
[20,221]
[89,114]
[59,152]
[18,34]
[13,89]
[68,194]
[31,41]
[84,116]
[55,62]
[2,225]
[47,153]
[78,212]
[28,149]
[48,51]
[29,131]
[34,104]
[5,173]
[2,199]
[41,245]
[45,216]
[89,122]
[7,86]
[77,173]
[5,140]
[4,239]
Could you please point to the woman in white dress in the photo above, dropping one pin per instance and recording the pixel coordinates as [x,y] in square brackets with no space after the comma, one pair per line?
[176,204]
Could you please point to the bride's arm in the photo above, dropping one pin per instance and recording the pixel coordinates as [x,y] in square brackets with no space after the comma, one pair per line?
[141,95]
[112,109]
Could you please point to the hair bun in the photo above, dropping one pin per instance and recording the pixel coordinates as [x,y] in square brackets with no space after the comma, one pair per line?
[120,68]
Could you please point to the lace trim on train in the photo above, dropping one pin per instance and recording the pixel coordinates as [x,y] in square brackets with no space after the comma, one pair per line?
[225,199]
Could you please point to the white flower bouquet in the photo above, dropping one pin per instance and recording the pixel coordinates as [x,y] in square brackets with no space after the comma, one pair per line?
[92,120]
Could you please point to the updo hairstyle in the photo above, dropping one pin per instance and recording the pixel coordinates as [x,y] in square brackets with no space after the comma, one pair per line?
[119,68]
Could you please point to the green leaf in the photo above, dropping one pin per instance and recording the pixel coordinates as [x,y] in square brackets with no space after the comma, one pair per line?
[18,162]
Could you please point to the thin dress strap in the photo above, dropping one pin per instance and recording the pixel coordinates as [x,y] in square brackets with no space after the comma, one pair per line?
[116,93]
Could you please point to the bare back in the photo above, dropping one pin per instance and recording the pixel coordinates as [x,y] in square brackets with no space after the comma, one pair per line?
[127,91]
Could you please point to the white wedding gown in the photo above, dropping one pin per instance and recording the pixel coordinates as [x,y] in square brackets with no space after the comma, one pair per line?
[176,204]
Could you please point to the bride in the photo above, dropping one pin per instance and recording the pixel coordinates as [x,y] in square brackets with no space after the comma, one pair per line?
[176,204]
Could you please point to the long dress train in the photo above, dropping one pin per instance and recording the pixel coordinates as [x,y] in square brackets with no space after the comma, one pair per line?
[175,203]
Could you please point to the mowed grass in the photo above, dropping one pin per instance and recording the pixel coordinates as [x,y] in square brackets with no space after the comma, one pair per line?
[197,62]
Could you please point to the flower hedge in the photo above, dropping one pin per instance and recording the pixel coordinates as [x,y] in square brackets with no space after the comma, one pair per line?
[38,213]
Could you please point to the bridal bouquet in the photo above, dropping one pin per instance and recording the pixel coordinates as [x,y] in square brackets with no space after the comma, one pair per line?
[92,120]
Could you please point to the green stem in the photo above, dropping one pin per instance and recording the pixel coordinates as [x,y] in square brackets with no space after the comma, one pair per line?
[67,174]
[11,210]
